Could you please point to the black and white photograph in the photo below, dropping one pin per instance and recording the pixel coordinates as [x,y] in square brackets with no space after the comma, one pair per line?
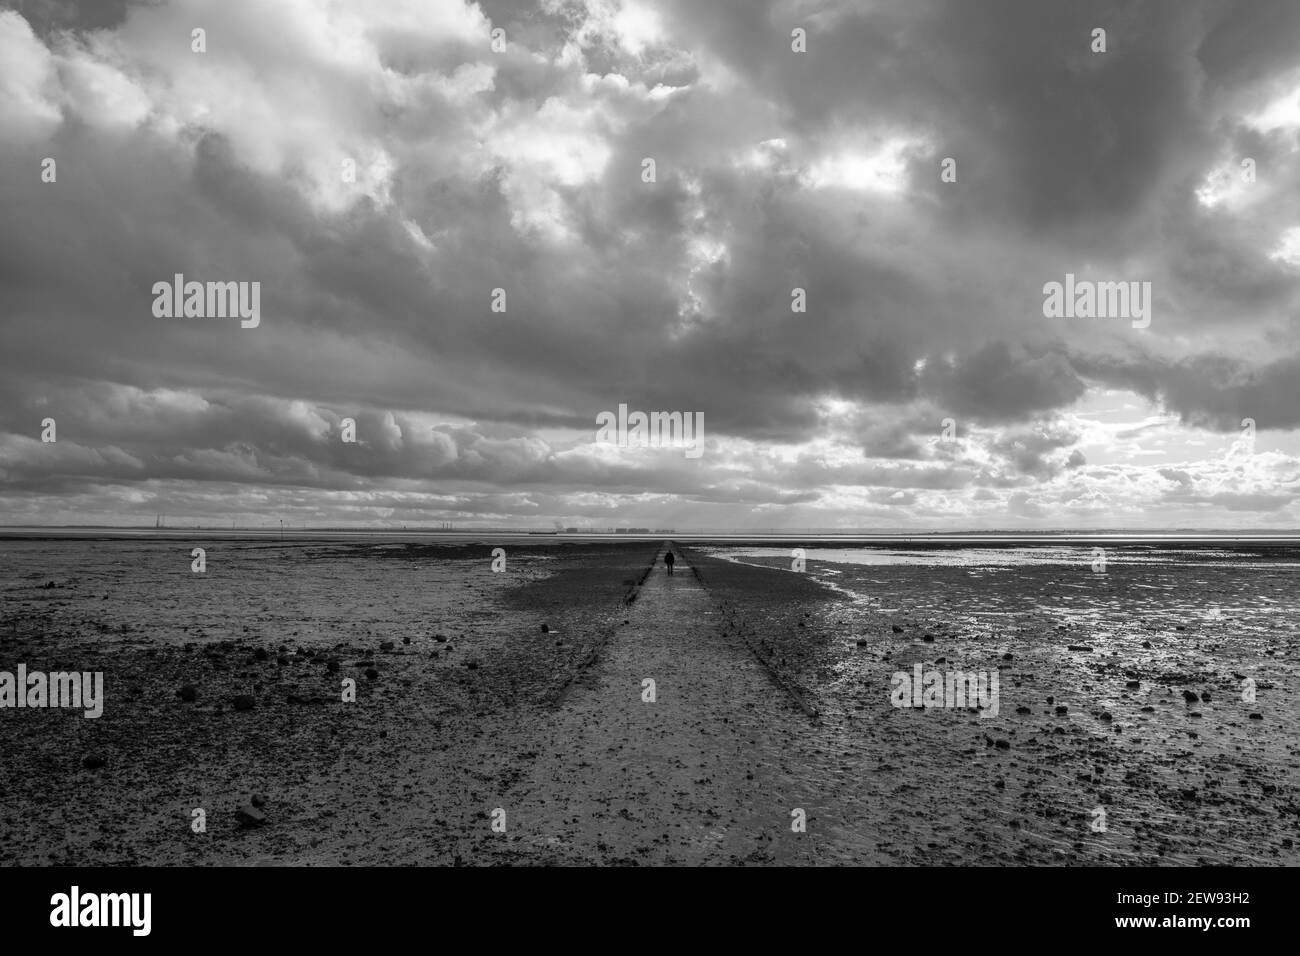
[832,434]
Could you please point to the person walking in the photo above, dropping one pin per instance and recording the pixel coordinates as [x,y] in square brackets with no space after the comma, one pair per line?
[669,559]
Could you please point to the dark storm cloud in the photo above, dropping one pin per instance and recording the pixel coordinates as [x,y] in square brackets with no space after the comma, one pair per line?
[1213,392]
[48,16]
[521,171]
[1058,138]
[999,383]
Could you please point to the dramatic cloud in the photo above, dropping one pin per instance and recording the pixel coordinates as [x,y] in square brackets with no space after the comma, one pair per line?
[462,252]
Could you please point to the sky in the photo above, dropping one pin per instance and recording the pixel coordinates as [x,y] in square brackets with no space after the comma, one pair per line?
[462,249]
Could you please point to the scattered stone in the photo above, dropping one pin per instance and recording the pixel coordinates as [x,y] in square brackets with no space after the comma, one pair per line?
[406,640]
[243,702]
[1061,710]
[897,629]
[260,654]
[546,629]
[371,673]
[1256,716]
[250,816]
[928,638]
[331,666]
[1190,697]
[442,638]
[1079,647]
[93,761]
[862,642]
[387,646]
[1133,684]
[258,800]
[1205,696]
[188,693]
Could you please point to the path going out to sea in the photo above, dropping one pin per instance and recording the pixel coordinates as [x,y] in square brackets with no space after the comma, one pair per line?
[701,774]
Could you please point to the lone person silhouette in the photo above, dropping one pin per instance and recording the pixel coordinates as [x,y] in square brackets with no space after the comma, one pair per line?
[669,559]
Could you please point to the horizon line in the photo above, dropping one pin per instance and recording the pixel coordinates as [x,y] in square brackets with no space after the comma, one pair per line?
[974,535]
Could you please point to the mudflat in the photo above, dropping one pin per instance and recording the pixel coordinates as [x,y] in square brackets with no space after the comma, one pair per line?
[584,707]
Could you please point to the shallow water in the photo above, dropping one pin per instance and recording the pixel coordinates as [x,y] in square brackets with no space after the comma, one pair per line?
[1014,556]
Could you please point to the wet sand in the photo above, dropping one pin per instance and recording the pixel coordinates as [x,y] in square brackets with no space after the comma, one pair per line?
[1094,670]
[772,695]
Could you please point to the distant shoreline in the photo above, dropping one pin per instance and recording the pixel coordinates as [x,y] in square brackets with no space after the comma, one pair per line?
[894,539]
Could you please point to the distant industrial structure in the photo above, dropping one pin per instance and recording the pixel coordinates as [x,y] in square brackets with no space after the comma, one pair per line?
[620,530]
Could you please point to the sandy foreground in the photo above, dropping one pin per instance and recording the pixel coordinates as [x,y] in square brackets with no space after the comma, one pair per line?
[504,718]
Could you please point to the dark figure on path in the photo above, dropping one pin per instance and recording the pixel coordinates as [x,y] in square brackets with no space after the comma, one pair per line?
[668,560]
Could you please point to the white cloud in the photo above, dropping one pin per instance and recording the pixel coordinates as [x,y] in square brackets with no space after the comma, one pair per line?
[881,169]
[29,108]
[1288,247]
